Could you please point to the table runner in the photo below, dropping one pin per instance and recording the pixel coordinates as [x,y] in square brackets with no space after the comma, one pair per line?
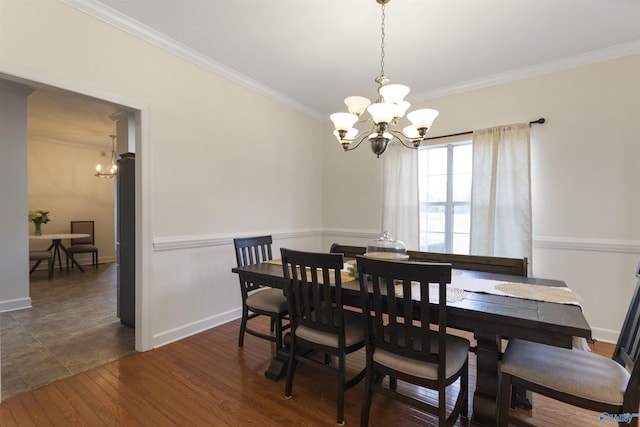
[461,284]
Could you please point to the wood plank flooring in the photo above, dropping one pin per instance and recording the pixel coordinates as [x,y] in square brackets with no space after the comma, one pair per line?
[206,380]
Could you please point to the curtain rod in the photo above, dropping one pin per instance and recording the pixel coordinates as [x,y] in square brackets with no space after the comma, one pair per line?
[539,121]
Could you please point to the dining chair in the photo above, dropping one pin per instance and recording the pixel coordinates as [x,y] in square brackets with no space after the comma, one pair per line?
[259,300]
[407,338]
[578,377]
[347,251]
[38,257]
[82,245]
[319,320]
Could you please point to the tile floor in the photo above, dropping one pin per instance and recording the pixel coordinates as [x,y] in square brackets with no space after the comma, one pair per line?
[71,328]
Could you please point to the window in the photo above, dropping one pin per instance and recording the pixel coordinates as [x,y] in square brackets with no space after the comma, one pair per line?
[444,174]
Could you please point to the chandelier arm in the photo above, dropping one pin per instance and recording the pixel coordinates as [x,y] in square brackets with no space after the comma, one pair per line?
[403,139]
[360,137]
[362,119]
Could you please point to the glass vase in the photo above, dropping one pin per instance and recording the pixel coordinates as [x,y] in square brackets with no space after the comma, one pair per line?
[38,228]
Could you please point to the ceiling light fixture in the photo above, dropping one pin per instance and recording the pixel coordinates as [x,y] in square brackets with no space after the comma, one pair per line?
[385,113]
[110,170]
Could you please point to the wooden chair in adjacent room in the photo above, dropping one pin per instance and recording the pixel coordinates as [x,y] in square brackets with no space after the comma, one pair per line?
[319,321]
[577,377]
[83,245]
[259,300]
[407,338]
[38,257]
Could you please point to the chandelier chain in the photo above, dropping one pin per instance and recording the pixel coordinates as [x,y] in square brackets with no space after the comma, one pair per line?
[382,35]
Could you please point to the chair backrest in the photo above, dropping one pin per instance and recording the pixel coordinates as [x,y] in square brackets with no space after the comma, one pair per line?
[313,285]
[84,227]
[390,291]
[347,251]
[488,264]
[253,250]
[249,251]
[627,349]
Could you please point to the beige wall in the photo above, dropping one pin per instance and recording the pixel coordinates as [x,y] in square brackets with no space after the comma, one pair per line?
[585,174]
[61,181]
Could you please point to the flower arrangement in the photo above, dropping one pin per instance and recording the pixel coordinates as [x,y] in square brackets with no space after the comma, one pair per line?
[39,217]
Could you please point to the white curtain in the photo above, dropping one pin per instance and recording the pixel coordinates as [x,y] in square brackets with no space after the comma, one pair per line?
[501,192]
[400,211]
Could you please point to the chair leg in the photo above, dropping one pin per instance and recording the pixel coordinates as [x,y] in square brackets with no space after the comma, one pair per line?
[288,390]
[278,327]
[464,382]
[366,401]
[341,381]
[243,325]
[50,268]
[34,267]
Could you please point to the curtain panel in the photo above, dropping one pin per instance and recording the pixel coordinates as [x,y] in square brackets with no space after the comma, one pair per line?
[501,192]
[400,208]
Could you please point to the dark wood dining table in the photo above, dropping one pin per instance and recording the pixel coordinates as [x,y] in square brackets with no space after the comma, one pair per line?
[489,317]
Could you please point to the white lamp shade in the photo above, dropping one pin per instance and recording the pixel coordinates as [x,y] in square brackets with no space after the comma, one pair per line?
[382,112]
[411,132]
[394,93]
[343,121]
[357,104]
[422,118]
[350,136]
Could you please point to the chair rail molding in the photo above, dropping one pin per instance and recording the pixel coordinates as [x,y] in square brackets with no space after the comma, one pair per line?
[172,243]
[589,245]
[351,233]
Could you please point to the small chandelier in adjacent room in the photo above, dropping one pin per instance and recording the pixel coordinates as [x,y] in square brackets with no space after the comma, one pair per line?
[109,171]
[384,113]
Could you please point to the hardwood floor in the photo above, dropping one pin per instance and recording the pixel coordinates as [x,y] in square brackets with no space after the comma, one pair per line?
[206,380]
[71,327]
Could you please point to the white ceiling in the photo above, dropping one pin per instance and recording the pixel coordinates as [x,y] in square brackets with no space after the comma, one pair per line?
[310,54]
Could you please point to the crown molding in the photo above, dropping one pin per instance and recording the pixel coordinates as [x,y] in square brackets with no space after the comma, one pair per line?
[137,29]
[575,61]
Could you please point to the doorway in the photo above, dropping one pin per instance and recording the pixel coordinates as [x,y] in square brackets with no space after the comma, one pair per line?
[75,282]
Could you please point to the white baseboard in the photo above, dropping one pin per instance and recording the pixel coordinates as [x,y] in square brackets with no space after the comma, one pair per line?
[15,304]
[196,327]
[605,335]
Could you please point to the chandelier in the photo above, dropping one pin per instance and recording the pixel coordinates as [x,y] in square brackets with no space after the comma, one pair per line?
[384,114]
[110,170]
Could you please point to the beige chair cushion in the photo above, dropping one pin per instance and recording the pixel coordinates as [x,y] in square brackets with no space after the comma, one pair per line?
[353,329]
[457,354]
[268,299]
[574,372]
[40,255]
